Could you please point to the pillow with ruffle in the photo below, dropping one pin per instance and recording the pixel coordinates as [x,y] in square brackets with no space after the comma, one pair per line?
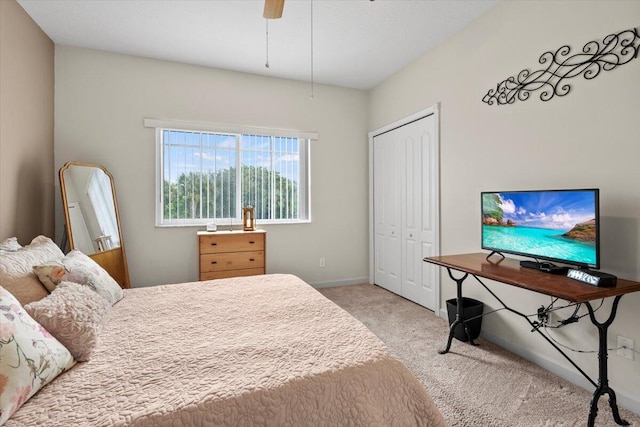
[79,268]
[29,356]
[75,315]
[16,269]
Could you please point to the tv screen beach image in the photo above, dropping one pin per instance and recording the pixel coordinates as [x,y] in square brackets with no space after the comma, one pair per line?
[560,225]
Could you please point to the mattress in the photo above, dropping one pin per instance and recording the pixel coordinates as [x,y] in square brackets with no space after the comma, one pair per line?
[255,351]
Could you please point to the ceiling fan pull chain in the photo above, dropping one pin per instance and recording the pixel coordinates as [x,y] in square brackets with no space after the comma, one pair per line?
[312,49]
[267,63]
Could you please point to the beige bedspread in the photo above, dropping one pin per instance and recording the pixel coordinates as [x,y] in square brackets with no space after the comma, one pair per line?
[257,351]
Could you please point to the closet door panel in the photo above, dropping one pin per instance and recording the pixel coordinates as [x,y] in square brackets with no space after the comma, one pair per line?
[412,271]
[393,214]
[429,275]
[429,191]
[411,212]
[379,228]
[428,211]
[387,213]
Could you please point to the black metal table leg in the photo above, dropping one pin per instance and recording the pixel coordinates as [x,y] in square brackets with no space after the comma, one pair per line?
[603,371]
[459,314]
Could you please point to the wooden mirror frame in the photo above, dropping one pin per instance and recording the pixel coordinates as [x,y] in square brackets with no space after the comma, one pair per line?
[113,260]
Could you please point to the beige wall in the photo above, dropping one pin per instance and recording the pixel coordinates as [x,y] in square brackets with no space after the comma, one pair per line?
[102,99]
[590,138]
[26,126]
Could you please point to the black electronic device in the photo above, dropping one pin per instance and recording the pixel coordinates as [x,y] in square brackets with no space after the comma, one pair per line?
[546,267]
[552,225]
[593,278]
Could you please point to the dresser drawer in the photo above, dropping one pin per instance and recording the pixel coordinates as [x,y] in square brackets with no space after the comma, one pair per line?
[225,254]
[231,273]
[231,261]
[217,243]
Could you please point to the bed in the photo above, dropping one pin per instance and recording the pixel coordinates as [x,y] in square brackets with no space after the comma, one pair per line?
[260,350]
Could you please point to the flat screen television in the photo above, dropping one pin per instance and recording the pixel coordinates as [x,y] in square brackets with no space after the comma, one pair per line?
[552,225]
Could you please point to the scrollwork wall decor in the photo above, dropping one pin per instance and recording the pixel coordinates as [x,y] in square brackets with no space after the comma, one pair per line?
[614,50]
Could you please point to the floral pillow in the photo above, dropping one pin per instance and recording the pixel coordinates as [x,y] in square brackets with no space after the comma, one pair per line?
[75,315]
[79,268]
[29,356]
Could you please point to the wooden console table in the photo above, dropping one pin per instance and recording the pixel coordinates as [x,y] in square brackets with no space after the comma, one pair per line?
[508,271]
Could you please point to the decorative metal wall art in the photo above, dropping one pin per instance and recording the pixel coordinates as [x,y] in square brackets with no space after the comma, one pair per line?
[615,50]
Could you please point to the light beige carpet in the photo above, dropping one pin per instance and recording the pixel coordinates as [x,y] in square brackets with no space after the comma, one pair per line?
[472,386]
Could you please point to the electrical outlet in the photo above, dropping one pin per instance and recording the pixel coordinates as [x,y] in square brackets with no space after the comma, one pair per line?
[627,351]
[322,262]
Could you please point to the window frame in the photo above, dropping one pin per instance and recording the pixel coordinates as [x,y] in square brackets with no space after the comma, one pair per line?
[304,185]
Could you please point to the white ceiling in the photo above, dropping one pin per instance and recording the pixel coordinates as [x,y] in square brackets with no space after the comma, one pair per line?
[356,43]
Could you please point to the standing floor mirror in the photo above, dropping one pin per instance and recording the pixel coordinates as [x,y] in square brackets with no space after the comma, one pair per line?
[91,217]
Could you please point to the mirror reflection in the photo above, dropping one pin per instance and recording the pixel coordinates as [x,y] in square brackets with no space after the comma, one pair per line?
[91,214]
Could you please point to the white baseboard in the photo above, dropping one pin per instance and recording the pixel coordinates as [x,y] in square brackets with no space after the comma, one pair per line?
[343,282]
[565,372]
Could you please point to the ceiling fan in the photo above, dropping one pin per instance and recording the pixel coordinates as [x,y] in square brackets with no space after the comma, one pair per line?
[273,9]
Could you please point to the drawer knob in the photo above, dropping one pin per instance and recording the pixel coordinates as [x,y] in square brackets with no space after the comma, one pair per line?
[252,242]
[214,244]
[214,262]
[251,259]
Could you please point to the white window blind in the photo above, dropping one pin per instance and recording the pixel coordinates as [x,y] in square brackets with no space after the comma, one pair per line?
[209,176]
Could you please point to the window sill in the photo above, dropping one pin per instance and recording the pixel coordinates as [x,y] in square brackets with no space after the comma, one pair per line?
[235,225]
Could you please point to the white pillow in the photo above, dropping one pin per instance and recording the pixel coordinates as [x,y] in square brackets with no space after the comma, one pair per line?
[75,315]
[10,245]
[79,268]
[16,269]
[29,356]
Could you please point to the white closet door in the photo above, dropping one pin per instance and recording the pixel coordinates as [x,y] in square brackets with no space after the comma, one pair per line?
[429,225]
[405,210]
[387,158]
[412,211]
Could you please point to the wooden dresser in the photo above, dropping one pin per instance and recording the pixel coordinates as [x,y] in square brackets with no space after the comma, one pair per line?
[231,253]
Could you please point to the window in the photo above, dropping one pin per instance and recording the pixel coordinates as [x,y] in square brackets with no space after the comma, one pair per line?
[209,176]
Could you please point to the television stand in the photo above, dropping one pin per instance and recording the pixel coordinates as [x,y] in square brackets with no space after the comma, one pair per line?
[509,272]
[495,253]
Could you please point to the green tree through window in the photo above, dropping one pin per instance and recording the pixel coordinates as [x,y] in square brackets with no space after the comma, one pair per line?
[200,181]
